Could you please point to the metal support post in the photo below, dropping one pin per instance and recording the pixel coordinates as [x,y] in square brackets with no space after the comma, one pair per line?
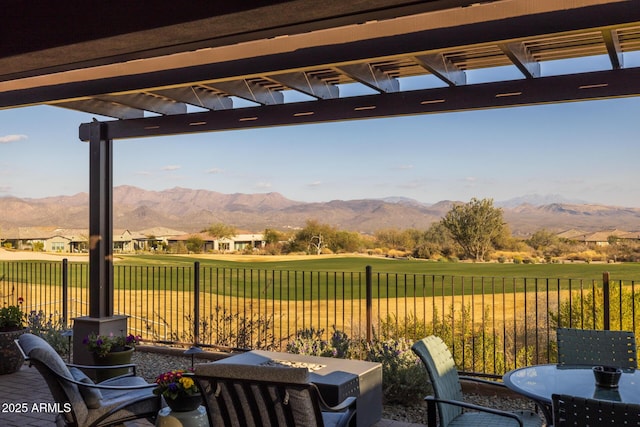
[100,222]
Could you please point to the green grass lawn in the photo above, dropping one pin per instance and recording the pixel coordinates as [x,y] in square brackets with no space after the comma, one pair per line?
[621,271]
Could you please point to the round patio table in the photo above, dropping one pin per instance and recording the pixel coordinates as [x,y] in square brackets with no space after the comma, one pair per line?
[539,382]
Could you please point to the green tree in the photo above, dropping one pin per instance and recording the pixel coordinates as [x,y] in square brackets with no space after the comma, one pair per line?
[221,230]
[474,225]
[195,244]
[314,237]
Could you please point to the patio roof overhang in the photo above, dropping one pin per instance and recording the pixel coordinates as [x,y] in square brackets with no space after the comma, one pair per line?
[183,72]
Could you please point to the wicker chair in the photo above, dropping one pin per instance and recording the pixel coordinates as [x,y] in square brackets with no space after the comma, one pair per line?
[592,347]
[448,399]
[269,396]
[108,403]
[579,411]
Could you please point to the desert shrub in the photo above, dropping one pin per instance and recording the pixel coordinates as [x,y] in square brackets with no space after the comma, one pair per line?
[50,328]
[37,246]
[227,329]
[404,379]
[410,327]
[309,341]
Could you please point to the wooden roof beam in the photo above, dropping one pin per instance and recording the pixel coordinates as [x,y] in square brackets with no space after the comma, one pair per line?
[198,96]
[371,76]
[521,57]
[308,84]
[251,91]
[443,68]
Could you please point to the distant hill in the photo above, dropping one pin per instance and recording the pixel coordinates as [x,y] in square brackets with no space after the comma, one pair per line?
[192,210]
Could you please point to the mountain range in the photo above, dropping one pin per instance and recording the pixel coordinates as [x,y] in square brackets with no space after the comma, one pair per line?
[192,210]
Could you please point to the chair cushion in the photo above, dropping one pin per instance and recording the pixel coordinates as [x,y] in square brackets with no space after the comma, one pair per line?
[91,396]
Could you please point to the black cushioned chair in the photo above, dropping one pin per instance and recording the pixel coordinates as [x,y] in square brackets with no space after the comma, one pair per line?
[582,412]
[269,396]
[108,403]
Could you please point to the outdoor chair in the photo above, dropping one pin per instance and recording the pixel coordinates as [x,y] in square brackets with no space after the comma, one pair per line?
[448,398]
[253,396]
[579,411]
[593,347]
[108,403]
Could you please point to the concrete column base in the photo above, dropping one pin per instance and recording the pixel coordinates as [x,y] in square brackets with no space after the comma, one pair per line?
[83,326]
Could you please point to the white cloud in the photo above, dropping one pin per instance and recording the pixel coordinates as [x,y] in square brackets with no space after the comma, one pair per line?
[12,138]
[215,171]
[405,167]
[315,184]
[471,179]
[171,168]
[5,189]
[263,185]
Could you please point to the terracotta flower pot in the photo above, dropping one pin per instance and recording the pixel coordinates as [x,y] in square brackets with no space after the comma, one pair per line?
[11,359]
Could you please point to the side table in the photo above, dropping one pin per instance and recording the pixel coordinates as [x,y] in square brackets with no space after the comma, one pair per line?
[195,418]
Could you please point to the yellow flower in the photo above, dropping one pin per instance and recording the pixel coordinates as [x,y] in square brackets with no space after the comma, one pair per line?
[186,382]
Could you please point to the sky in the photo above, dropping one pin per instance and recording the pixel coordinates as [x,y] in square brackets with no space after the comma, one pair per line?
[586,151]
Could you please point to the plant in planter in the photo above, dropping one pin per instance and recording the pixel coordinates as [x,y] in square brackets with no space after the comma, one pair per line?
[11,327]
[110,350]
[179,390]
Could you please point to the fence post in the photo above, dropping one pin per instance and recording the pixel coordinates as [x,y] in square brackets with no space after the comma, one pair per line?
[196,303]
[369,285]
[65,291]
[605,301]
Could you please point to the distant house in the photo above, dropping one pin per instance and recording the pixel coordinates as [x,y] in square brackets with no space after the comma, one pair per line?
[50,239]
[600,238]
[235,243]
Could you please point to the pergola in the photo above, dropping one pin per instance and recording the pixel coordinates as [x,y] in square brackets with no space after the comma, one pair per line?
[164,71]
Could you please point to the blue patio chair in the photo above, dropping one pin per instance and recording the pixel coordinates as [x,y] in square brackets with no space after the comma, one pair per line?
[593,347]
[108,403]
[448,398]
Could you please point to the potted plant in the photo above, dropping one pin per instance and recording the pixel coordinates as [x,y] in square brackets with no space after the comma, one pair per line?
[110,350]
[11,327]
[179,390]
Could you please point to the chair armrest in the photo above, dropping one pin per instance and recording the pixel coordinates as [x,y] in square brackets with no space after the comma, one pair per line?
[432,400]
[99,367]
[102,386]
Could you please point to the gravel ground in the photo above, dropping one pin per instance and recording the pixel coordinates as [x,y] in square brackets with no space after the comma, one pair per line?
[152,364]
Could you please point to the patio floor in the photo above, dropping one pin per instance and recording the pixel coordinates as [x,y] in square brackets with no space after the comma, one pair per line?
[28,387]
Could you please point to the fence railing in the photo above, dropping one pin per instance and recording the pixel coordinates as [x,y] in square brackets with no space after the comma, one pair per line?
[492,324]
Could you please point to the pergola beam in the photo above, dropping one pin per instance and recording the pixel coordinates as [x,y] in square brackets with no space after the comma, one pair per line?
[371,76]
[154,104]
[104,108]
[198,96]
[250,91]
[521,57]
[612,42]
[552,89]
[307,84]
[440,66]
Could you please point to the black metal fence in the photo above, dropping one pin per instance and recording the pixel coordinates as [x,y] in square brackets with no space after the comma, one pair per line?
[492,324]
